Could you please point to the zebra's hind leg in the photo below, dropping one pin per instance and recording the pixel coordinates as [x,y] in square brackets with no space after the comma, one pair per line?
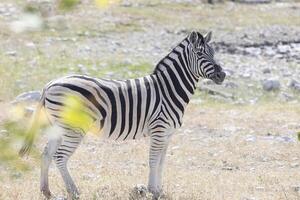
[70,141]
[47,156]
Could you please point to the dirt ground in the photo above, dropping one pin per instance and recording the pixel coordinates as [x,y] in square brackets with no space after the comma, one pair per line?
[221,152]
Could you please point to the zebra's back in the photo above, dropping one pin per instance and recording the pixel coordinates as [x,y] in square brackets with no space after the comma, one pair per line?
[120,109]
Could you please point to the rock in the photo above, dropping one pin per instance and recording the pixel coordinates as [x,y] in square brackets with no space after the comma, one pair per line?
[250,138]
[246,75]
[28,96]
[287,73]
[283,49]
[269,51]
[296,188]
[252,51]
[3,132]
[11,53]
[260,188]
[27,22]
[284,139]
[294,165]
[228,168]
[271,85]
[266,71]
[294,85]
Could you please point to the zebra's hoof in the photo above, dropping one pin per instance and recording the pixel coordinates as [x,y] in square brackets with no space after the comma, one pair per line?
[73,196]
[47,194]
[155,193]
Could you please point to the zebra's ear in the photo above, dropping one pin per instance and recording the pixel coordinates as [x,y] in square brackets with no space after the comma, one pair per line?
[193,37]
[207,37]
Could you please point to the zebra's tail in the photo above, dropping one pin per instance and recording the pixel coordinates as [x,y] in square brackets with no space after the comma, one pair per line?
[32,131]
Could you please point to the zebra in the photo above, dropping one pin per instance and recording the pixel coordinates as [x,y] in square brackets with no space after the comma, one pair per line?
[152,106]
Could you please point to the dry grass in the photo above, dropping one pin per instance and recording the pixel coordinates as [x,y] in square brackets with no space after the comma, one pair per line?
[209,158]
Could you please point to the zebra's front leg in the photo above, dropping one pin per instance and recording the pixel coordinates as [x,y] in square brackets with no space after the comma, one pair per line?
[158,147]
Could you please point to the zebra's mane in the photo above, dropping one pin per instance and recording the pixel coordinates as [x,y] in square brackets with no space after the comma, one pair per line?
[158,67]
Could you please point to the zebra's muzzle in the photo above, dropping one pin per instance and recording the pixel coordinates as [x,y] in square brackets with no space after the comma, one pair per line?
[219,77]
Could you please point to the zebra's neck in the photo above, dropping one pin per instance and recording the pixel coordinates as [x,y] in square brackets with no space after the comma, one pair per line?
[176,70]
[175,79]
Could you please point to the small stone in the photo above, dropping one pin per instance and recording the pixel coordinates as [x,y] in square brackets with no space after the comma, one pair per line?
[283,49]
[246,75]
[292,83]
[3,132]
[260,188]
[266,71]
[294,165]
[28,96]
[227,168]
[175,147]
[87,48]
[30,45]
[269,51]
[250,138]
[253,51]
[296,188]
[11,53]
[284,139]
[271,85]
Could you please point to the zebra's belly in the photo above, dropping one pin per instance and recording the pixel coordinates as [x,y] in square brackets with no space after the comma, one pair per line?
[124,130]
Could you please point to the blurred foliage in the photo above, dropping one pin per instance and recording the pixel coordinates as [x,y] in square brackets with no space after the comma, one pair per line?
[74,114]
[105,3]
[12,135]
[70,4]
[31,8]
[19,127]
[101,3]
[67,4]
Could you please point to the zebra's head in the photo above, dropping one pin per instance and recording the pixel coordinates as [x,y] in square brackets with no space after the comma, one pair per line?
[202,58]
